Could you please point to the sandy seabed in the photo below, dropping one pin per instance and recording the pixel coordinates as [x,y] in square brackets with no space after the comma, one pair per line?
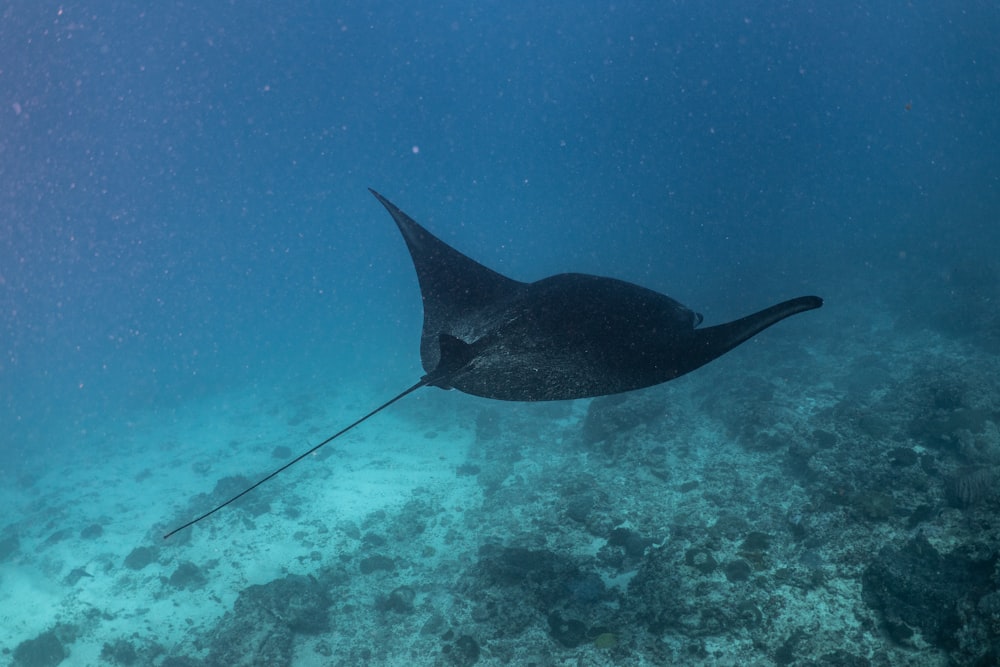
[778,507]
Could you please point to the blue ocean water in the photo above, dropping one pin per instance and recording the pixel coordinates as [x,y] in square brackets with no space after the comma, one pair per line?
[184,218]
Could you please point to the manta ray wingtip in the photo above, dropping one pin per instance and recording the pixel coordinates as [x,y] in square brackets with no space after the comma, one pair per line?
[389,206]
[813,301]
[378,195]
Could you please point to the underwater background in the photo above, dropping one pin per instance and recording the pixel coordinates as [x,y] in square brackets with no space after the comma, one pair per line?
[195,286]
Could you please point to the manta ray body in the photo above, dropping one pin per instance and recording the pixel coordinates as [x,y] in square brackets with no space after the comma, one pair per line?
[568,336]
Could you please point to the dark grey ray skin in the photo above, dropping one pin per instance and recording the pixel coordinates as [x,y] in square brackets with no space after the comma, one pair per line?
[571,335]
[567,336]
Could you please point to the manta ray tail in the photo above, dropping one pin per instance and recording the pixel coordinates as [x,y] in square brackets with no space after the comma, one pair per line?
[424,381]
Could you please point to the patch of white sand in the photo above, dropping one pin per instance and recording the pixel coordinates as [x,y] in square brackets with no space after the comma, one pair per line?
[134,479]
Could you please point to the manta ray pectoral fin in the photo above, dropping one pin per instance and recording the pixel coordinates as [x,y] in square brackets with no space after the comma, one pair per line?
[713,342]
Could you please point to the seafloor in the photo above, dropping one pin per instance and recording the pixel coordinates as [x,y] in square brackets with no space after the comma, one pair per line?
[818,499]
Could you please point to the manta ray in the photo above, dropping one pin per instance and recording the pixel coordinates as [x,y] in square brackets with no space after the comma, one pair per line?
[568,336]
